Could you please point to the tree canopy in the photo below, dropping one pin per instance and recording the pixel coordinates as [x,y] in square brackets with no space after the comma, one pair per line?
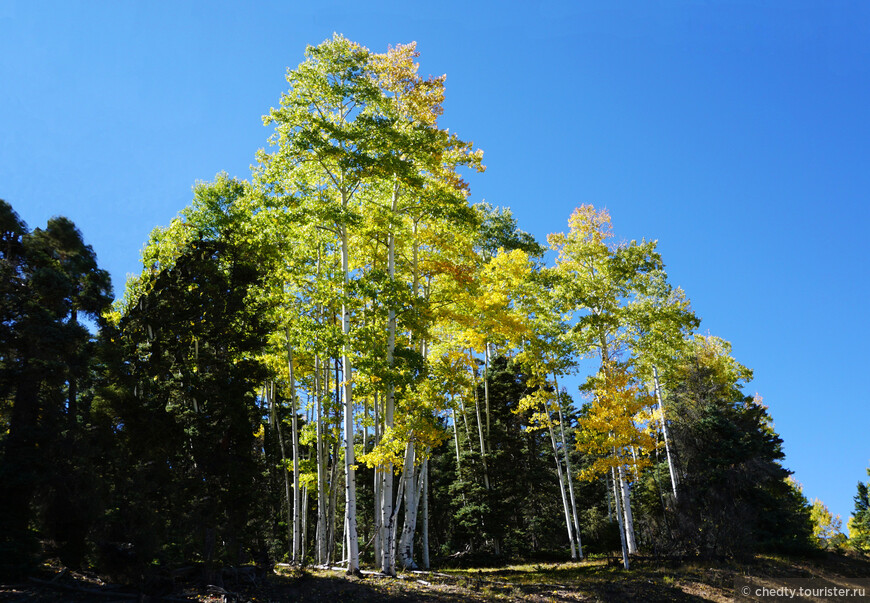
[345,360]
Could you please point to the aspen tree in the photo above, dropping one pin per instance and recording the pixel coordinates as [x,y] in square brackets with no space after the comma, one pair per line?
[605,288]
[417,162]
[609,430]
[324,139]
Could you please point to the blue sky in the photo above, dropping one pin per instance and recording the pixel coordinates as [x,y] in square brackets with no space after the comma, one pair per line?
[737,134]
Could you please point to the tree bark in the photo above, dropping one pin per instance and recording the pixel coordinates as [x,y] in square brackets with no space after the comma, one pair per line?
[321,470]
[665,432]
[456,438]
[486,390]
[480,431]
[426,513]
[626,509]
[297,531]
[276,425]
[621,524]
[568,523]
[377,487]
[387,513]
[565,451]
[413,485]
[347,391]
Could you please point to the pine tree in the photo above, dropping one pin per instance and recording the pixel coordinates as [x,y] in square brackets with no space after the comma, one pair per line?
[859,522]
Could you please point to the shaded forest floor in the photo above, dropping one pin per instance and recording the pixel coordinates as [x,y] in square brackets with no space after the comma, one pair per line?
[594,580]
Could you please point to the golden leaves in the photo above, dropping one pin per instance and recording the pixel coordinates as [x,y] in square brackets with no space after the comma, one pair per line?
[611,425]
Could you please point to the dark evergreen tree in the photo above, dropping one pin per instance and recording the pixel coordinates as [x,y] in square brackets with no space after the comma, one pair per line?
[734,497]
[519,513]
[859,524]
[51,278]
[187,409]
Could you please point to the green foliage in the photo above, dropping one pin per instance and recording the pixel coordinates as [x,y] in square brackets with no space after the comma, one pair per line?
[499,230]
[185,408]
[355,256]
[826,527]
[859,522]
[521,509]
[734,497]
[50,278]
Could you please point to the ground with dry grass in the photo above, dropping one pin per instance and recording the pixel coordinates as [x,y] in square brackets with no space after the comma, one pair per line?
[592,580]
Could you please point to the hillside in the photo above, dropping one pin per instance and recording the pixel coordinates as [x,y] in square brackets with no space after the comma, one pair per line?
[592,581]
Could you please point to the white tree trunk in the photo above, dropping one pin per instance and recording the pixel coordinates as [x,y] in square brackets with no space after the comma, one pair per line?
[565,451]
[621,524]
[276,425]
[426,513]
[297,527]
[320,534]
[304,525]
[413,478]
[456,437]
[468,438]
[568,523]
[347,390]
[486,390]
[480,430]
[665,432]
[378,482]
[626,509]
[387,562]
[393,525]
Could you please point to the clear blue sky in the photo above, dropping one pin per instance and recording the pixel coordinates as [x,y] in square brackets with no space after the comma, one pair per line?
[735,133]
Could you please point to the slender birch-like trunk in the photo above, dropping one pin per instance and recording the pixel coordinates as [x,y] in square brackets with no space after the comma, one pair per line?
[426,513]
[387,557]
[568,522]
[568,469]
[276,425]
[333,484]
[304,542]
[626,509]
[634,461]
[377,486]
[456,437]
[480,430]
[665,432]
[468,438]
[486,391]
[618,511]
[365,427]
[320,452]
[393,524]
[320,534]
[297,531]
[409,476]
[347,390]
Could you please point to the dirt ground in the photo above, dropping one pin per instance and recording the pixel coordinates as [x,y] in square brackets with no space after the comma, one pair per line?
[592,581]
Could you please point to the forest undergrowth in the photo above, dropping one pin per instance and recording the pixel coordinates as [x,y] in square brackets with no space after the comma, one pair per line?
[600,579]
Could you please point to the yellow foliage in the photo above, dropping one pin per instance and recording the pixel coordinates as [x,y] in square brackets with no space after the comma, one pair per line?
[614,423]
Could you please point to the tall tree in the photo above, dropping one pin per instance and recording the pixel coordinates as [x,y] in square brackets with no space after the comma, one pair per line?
[859,522]
[53,278]
[325,139]
[736,499]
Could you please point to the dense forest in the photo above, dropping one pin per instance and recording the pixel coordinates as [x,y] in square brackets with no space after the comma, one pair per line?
[344,361]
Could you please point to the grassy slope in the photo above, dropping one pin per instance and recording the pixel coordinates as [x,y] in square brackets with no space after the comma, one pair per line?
[587,581]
